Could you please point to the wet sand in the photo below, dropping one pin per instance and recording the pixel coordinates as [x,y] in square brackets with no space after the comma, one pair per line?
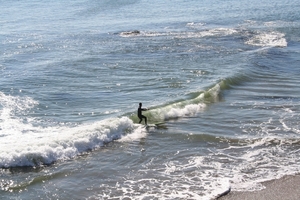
[286,188]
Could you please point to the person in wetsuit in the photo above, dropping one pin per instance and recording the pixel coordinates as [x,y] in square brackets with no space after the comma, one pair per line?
[140,109]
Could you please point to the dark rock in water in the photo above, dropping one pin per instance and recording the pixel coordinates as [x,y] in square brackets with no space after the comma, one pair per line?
[135,32]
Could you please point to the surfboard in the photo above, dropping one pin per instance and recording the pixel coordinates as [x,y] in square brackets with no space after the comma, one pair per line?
[159,125]
[150,125]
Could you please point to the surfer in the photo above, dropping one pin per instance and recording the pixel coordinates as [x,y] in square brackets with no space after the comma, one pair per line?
[140,109]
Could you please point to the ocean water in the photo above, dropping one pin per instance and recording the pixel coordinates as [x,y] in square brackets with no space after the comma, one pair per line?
[221,78]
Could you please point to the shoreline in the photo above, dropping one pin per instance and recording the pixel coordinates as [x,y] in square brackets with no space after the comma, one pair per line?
[285,188]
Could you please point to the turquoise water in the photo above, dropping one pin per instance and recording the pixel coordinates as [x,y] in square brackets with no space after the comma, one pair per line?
[221,77]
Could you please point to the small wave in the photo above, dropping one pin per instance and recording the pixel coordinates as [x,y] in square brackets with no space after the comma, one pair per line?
[183,108]
[190,107]
[44,146]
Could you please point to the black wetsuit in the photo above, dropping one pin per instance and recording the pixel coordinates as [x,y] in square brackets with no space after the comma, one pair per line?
[141,116]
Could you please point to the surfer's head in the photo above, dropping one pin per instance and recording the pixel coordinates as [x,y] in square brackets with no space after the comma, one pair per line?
[140,104]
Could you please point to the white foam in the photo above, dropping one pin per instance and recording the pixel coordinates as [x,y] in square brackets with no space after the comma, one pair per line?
[195,24]
[240,168]
[188,110]
[268,39]
[191,178]
[138,133]
[188,107]
[9,124]
[207,33]
[261,160]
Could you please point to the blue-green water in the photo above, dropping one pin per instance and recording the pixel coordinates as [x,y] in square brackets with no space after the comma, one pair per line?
[223,77]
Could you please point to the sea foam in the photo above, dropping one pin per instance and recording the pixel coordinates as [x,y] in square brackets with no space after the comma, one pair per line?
[268,39]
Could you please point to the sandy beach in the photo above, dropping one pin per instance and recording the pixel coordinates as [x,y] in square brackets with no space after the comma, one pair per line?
[286,188]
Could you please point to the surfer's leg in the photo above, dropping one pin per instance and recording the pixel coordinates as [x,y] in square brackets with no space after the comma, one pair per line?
[140,120]
[144,118]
